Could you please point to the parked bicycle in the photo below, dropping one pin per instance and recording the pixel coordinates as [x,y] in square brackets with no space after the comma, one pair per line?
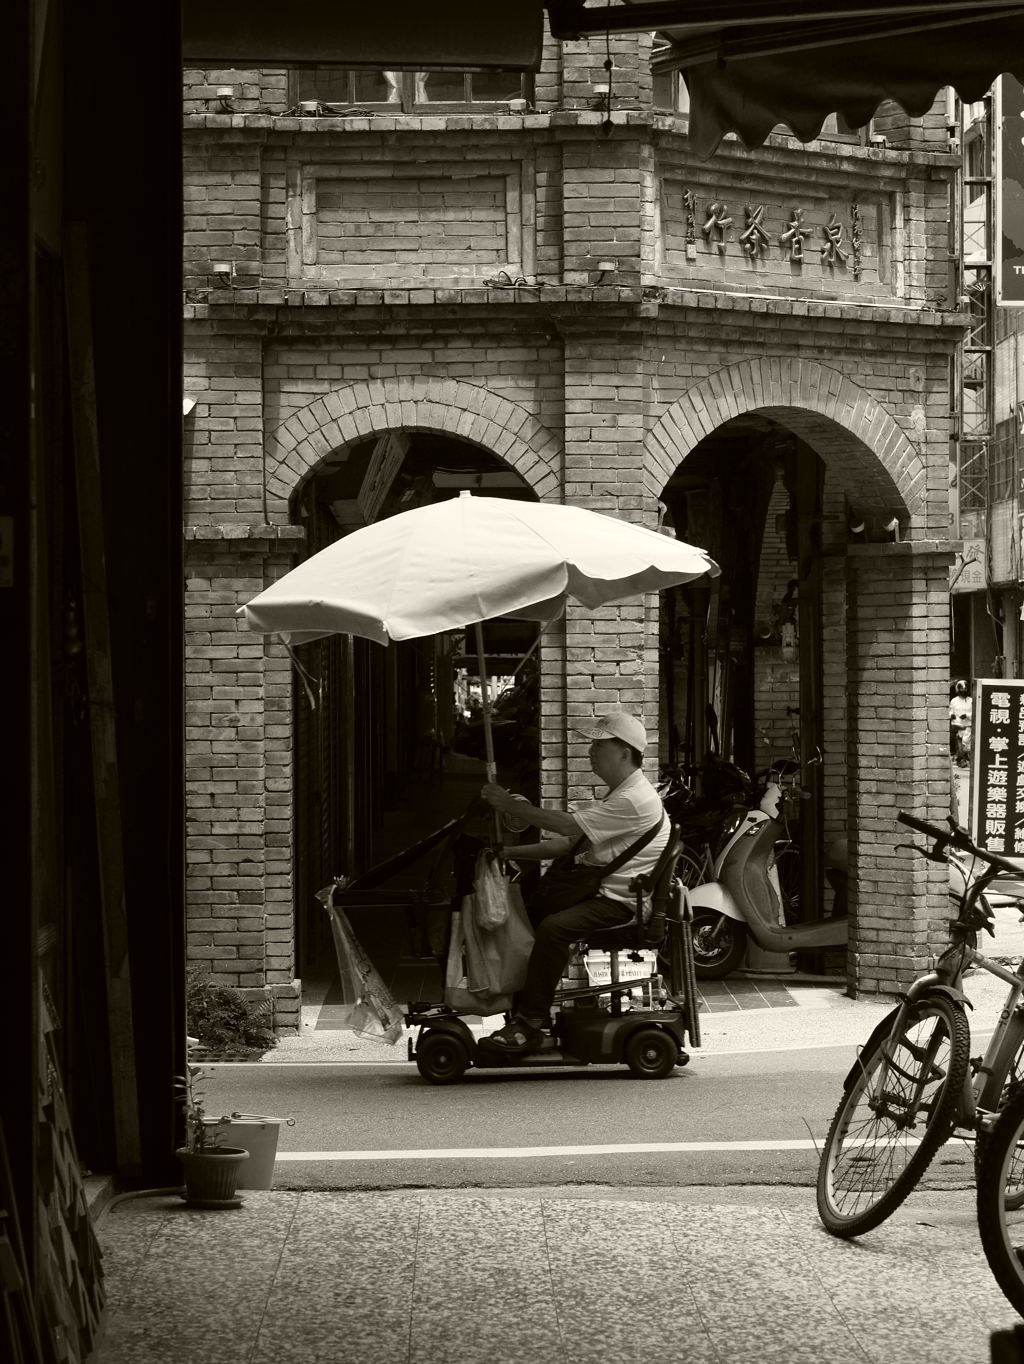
[914,1082]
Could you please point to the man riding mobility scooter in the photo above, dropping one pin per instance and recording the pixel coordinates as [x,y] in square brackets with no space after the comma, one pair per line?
[585,1030]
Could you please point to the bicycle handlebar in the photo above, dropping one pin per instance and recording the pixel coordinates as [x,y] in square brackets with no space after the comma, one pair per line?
[932,830]
[959,838]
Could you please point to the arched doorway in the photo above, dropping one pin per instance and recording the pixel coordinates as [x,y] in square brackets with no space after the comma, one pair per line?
[866,551]
[387,744]
[742,655]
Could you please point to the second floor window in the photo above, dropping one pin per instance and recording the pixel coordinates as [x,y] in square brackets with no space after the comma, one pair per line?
[409,91]
[670,92]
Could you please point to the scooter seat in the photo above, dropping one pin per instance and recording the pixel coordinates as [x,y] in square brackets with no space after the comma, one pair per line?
[625,937]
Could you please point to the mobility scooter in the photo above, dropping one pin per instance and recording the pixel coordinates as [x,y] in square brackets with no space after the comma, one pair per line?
[586,1031]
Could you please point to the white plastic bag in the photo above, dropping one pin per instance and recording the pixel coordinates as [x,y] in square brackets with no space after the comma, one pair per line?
[487,967]
[490,891]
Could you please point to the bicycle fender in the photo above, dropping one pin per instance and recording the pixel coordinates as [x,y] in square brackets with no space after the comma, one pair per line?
[884,1027]
[881,1029]
[957,996]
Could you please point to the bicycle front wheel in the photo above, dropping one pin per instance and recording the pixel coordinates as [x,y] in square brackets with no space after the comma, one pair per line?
[1000,1199]
[900,1105]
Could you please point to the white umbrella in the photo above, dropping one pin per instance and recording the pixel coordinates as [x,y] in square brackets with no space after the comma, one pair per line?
[470,559]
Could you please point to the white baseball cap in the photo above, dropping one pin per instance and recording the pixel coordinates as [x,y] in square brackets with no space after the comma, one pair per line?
[617,724]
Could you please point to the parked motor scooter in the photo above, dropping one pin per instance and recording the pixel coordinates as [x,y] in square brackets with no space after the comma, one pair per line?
[702,818]
[741,913]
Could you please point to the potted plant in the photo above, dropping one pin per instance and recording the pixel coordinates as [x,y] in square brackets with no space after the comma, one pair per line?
[211,1170]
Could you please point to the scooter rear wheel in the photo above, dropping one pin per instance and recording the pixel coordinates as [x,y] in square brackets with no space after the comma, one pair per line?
[441,1058]
[715,954]
[651,1054]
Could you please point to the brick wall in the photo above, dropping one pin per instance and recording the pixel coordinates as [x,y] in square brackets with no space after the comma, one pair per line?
[583,68]
[404,226]
[285,204]
[255,91]
[898,622]
[238,780]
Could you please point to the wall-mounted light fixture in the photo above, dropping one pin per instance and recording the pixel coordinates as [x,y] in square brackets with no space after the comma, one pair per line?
[222,273]
[225,94]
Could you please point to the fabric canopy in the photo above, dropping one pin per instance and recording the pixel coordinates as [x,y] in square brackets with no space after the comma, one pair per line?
[451,564]
[751,65]
[802,86]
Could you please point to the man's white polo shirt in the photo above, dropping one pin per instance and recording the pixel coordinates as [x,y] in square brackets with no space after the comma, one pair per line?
[614,823]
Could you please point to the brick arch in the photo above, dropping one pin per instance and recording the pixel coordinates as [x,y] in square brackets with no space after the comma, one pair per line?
[880,470]
[371,407]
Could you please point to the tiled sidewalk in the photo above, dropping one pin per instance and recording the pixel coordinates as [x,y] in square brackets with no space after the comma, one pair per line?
[392,1278]
[737,992]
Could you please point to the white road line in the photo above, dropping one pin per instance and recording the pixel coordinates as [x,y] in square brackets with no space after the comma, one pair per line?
[525,1152]
[694,1056]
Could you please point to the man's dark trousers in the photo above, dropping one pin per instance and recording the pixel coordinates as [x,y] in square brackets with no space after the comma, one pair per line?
[556,934]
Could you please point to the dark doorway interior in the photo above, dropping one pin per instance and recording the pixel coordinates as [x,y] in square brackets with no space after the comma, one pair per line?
[748,643]
[388,743]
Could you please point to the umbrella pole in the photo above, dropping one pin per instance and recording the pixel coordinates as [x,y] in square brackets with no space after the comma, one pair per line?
[485,701]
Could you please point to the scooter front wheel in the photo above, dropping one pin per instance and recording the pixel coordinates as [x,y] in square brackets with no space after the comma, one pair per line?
[718,944]
[441,1058]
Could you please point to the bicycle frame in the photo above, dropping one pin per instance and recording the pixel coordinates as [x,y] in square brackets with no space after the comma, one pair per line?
[948,976]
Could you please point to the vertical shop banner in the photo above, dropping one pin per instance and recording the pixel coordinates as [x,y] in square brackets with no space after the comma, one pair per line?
[997,766]
[1009,233]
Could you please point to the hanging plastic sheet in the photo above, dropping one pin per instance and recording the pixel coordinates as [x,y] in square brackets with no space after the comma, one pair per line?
[375,1016]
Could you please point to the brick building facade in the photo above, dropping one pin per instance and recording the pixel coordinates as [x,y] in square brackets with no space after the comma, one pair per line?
[587,304]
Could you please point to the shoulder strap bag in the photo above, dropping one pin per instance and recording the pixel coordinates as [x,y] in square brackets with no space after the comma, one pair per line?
[563,886]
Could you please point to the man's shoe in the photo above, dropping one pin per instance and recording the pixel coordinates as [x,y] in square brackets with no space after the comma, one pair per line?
[514,1039]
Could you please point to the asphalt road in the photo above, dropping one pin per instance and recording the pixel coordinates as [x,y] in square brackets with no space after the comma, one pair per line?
[758,1098]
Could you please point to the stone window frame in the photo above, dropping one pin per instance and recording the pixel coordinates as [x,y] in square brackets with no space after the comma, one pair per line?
[520,207]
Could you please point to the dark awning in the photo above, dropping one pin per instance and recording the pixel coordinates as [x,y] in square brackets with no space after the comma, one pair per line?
[415,34]
[753,64]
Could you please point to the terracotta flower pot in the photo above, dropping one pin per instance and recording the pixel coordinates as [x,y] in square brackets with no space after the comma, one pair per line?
[211,1176]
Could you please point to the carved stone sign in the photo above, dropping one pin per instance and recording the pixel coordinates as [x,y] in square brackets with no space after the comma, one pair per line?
[843,243]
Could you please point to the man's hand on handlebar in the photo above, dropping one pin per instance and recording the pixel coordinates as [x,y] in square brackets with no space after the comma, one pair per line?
[498,797]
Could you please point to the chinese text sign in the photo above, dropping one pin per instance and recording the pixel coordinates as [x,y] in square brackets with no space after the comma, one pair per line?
[997,769]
